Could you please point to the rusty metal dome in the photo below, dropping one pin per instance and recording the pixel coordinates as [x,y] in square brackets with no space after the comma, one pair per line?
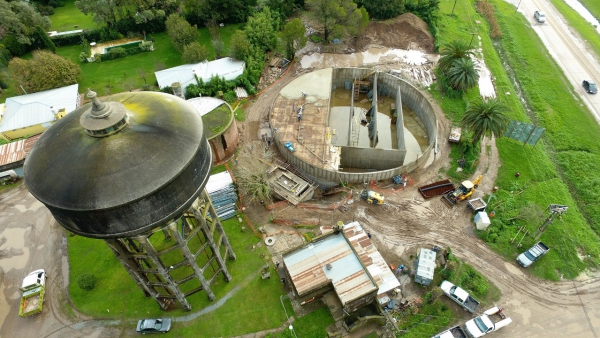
[142,173]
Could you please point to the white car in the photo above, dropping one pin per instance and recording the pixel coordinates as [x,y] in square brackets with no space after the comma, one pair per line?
[539,16]
[35,277]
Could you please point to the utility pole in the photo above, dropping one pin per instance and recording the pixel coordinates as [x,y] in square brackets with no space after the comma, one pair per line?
[516,10]
[472,36]
[555,210]
[454,6]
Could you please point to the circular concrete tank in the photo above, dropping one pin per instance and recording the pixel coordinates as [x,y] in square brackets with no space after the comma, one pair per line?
[121,167]
[338,134]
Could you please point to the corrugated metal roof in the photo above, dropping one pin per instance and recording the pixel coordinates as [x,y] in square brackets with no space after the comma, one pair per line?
[205,104]
[371,258]
[308,268]
[226,67]
[426,264]
[33,109]
[16,151]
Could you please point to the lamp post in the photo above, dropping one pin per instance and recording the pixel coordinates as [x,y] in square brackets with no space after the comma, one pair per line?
[516,10]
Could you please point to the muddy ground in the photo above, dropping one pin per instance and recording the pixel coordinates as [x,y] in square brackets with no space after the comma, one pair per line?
[30,239]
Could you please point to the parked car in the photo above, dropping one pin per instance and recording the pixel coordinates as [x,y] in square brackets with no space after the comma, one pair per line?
[539,16]
[160,325]
[590,87]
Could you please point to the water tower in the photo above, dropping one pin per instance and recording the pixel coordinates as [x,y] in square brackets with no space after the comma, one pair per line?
[131,171]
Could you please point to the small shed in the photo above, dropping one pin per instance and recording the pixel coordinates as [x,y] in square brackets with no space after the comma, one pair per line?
[482,221]
[425,266]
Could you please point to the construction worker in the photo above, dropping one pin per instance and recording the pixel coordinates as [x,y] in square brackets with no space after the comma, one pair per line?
[299,114]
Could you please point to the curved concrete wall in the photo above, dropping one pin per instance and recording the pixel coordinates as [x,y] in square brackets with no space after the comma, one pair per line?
[411,96]
[225,143]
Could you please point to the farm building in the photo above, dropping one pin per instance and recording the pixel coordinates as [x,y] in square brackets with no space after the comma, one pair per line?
[31,114]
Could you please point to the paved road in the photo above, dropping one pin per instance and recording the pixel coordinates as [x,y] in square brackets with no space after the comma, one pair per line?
[567,49]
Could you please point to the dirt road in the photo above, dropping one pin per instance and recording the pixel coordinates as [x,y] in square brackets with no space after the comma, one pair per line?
[567,48]
[30,239]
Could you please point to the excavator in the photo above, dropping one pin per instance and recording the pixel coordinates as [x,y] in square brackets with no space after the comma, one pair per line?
[371,197]
[464,191]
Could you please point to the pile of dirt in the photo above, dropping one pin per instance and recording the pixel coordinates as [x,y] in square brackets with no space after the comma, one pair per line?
[406,31]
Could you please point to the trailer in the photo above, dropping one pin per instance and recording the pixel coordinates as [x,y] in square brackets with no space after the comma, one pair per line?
[477,204]
[436,189]
[455,134]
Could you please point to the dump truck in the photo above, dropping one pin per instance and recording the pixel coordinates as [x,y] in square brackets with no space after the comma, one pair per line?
[460,296]
[533,254]
[33,289]
[371,197]
[490,321]
[464,191]
[454,332]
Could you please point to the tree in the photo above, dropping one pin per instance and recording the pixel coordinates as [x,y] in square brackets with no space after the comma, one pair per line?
[102,11]
[218,10]
[41,40]
[194,52]
[485,118]
[462,75]
[141,72]
[239,47]
[219,48]
[382,9]
[451,52]
[181,32]
[293,36]
[45,71]
[252,177]
[19,19]
[261,30]
[337,16]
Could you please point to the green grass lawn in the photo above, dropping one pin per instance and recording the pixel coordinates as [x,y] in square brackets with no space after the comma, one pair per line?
[545,179]
[65,18]
[593,6]
[116,296]
[114,76]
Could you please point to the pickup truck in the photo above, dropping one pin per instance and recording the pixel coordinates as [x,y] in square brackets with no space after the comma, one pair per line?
[533,254]
[460,296]
[33,289]
[455,332]
[490,321]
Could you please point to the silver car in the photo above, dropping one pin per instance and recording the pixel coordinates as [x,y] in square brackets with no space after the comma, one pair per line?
[160,325]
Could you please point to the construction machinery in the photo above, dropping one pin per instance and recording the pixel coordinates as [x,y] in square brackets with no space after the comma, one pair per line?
[371,197]
[464,191]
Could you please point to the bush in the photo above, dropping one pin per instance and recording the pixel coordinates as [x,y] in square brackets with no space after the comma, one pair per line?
[315,39]
[230,97]
[87,281]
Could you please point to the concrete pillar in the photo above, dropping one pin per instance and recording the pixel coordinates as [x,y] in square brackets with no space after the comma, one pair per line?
[170,284]
[191,260]
[132,267]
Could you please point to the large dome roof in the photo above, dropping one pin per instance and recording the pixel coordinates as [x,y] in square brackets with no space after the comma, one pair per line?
[139,176]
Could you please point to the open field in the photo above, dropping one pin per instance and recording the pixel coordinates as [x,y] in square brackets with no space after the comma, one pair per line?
[65,18]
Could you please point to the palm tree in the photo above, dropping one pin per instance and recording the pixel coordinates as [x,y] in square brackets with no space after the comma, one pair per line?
[485,118]
[451,52]
[462,75]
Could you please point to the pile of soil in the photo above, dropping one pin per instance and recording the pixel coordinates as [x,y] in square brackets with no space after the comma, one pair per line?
[406,31]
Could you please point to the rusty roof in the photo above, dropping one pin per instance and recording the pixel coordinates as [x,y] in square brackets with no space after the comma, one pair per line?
[16,151]
[329,260]
[370,257]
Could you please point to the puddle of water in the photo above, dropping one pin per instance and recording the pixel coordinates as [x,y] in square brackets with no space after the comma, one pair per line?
[372,55]
[585,14]
[15,241]
[33,207]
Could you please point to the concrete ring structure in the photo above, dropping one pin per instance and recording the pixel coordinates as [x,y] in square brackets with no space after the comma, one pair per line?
[270,241]
[353,125]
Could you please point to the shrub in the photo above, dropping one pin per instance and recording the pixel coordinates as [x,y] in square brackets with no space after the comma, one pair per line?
[230,96]
[87,281]
[315,39]
[487,10]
